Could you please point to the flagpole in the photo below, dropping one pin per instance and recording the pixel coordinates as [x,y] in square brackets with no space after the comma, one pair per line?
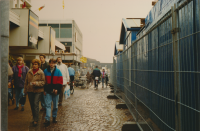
[63,9]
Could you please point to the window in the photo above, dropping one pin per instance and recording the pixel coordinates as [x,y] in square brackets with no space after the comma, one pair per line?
[67,43]
[42,24]
[67,50]
[65,30]
[56,28]
[65,25]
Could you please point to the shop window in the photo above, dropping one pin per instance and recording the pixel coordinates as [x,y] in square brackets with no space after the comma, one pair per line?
[67,50]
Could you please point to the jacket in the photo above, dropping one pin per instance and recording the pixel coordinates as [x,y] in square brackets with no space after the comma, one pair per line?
[44,66]
[19,81]
[63,68]
[104,74]
[38,77]
[71,71]
[96,72]
[54,80]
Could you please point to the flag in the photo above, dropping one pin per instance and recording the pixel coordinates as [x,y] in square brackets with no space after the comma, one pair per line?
[24,5]
[63,4]
[41,8]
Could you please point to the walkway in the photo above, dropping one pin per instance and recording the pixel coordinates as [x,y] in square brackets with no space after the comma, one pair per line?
[85,110]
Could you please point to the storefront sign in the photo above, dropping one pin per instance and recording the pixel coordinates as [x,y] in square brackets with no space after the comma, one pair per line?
[33,30]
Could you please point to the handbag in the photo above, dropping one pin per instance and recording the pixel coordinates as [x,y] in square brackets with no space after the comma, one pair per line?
[22,100]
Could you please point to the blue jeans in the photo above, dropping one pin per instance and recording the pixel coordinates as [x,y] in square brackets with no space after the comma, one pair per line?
[103,79]
[48,99]
[19,92]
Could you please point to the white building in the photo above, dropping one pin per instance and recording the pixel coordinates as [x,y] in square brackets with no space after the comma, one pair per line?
[69,34]
[29,39]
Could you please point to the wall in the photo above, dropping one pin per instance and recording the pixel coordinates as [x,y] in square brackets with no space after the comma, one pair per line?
[19,35]
[43,45]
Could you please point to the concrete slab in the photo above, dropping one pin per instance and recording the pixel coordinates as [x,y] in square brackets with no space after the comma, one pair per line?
[130,126]
[112,91]
[112,97]
[121,106]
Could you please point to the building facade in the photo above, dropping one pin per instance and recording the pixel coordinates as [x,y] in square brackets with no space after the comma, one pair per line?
[68,33]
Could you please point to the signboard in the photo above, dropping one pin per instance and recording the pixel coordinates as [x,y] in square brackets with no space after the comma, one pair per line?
[83,59]
[52,40]
[33,30]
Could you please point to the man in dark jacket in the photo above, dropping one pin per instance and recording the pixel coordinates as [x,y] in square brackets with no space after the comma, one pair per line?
[52,89]
[44,65]
[96,73]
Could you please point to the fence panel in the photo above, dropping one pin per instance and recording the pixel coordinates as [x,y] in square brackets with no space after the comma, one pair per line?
[154,76]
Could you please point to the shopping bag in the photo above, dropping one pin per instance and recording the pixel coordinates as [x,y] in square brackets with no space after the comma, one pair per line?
[22,100]
[10,72]
[67,92]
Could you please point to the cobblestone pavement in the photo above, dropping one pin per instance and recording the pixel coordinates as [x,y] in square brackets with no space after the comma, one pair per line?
[87,110]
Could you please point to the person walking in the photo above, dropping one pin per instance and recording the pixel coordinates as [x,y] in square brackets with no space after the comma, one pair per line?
[96,73]
[34,87]
[92,77]
[65,73]
[103,76]
[71,73]
[43,66]
[88,79]
[52,89]
[10,94]
[19,75]
[107,80]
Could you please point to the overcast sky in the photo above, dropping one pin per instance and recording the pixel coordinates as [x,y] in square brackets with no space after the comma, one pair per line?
[98,20]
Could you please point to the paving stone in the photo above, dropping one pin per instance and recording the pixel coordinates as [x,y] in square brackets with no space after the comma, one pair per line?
[87,110]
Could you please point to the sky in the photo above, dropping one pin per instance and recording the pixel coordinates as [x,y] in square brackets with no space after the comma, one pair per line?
[99,21]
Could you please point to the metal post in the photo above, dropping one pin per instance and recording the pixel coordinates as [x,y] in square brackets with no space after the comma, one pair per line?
[176,67]
[4,43]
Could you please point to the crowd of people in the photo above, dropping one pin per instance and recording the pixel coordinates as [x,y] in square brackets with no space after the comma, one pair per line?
[44,82]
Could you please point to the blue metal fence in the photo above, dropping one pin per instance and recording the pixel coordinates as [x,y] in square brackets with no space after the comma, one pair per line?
[158,75]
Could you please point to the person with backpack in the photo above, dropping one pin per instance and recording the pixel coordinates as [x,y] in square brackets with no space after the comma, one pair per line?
[96,73]
[19,75]
[52,89]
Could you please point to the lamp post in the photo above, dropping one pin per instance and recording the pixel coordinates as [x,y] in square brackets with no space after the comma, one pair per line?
[4,43]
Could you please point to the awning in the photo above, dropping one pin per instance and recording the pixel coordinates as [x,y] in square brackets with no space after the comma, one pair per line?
[59,45]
